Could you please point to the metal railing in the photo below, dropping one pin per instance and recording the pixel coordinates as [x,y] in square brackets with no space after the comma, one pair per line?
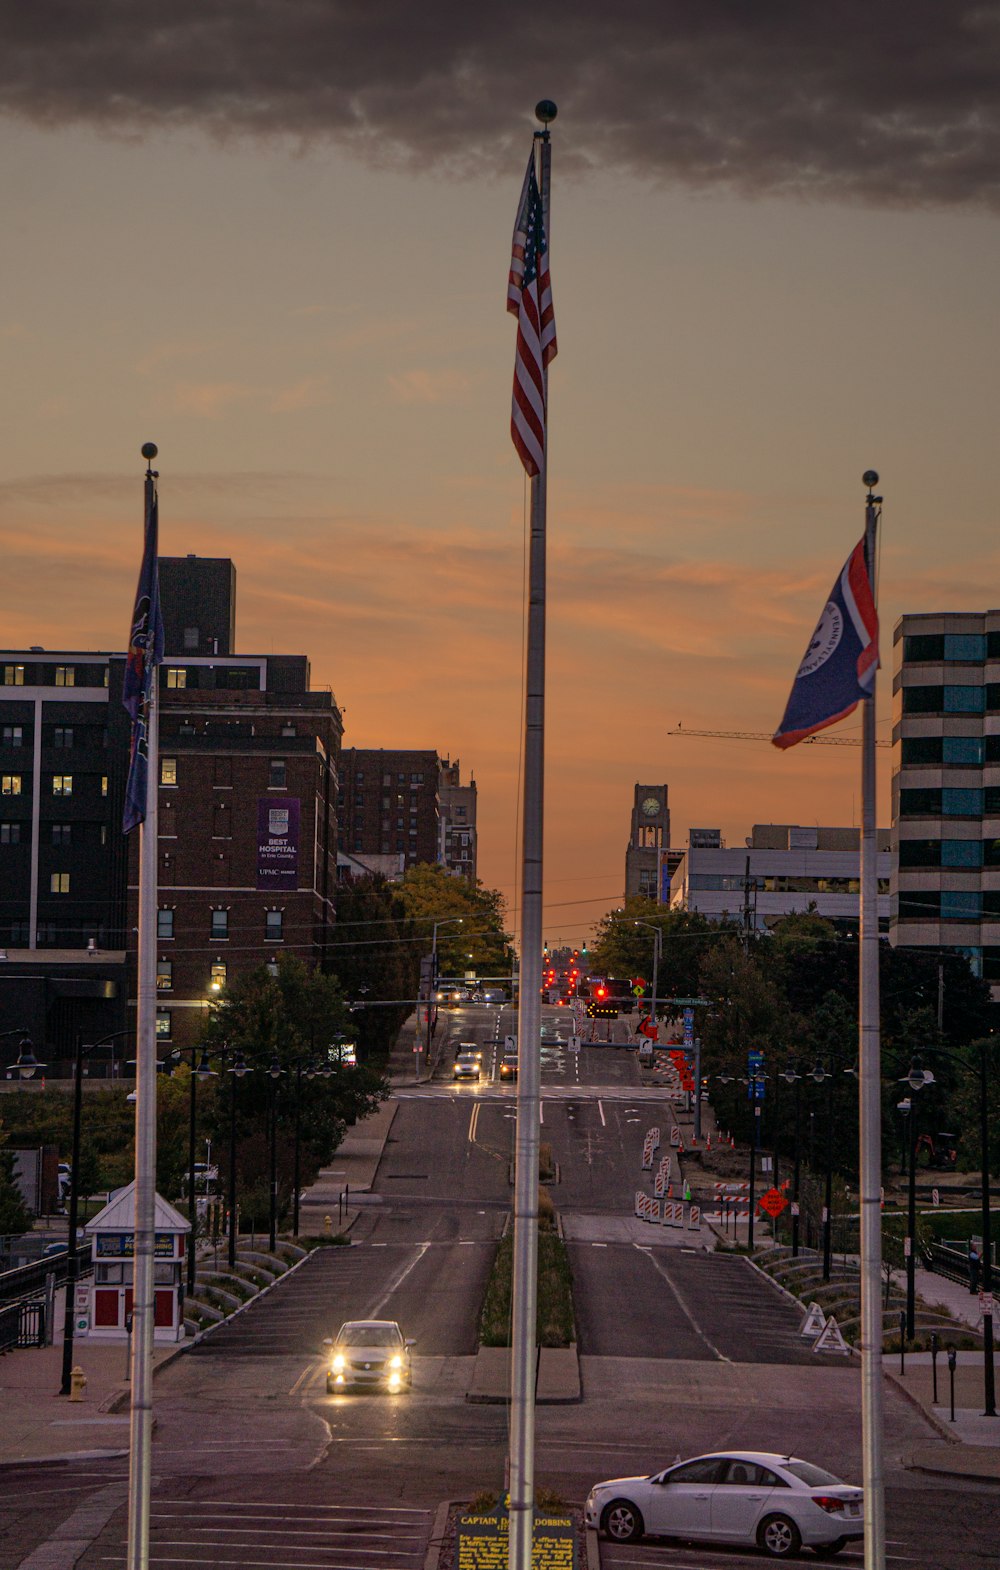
[24,1280]
[22,1324]
[947,1260]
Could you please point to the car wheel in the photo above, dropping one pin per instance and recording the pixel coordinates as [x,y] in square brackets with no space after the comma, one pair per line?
[830,1550]
[329,1386]
[622,1522]
[779,1537]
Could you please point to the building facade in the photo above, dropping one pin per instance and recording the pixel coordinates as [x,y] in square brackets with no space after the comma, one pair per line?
[782,868]
[649,835]
[247,818]
[946,787]
[406,807]
[459,844]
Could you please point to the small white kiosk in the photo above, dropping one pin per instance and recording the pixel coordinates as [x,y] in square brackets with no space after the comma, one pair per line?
[112,1232]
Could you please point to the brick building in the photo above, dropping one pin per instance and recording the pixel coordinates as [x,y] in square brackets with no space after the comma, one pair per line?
[406,807]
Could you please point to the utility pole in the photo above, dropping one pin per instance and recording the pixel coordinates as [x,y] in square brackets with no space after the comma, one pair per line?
[749,908]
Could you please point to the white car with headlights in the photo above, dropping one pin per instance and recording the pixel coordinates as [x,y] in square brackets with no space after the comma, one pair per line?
[748,1498]
[369,1353]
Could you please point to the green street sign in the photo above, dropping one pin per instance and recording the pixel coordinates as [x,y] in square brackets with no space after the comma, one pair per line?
[689,1003]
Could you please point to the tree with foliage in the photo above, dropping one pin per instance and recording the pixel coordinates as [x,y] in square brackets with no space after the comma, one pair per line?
[14,1214]
[374,956]
[289,1022]
[621,948]
[480,943]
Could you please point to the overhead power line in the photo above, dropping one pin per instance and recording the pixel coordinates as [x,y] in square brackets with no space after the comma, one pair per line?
[759,735]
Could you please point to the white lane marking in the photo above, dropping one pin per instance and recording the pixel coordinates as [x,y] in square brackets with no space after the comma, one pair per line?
[400,1277]
[600,1108]
[248,1507]
[541,1111]
[683,1305]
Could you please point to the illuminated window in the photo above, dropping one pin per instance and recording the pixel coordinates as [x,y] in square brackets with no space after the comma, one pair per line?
[218,978]
[13,675]
[65,676]
[164,974]
[168,771]
[104,784]
[62,784]
[177,676]
[12,785]
[59,883]
[163,1028]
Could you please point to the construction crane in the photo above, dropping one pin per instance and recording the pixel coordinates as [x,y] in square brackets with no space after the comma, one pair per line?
[759,735]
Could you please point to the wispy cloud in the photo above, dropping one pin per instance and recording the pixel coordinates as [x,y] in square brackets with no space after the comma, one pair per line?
[422,386]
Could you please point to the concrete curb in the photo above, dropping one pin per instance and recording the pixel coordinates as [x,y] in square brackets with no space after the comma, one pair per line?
[935,1422]
[435,1547]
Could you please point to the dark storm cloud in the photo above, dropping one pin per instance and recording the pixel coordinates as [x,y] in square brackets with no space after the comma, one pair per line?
[870,100]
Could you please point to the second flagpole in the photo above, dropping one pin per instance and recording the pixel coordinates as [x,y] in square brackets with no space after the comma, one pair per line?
[524,1289]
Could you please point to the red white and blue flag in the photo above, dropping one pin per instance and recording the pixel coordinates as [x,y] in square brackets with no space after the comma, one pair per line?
[838,668]
[529,298]
[145,652]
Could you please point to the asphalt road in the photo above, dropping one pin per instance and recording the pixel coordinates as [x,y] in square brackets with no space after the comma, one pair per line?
[681,1351]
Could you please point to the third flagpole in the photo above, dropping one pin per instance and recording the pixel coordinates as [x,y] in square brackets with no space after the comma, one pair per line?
[525,1261]
[143,1303]
[870,1110]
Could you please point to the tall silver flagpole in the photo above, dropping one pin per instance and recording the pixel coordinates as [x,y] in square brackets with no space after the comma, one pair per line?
[529,1013]
[143,1306]
[870,1103]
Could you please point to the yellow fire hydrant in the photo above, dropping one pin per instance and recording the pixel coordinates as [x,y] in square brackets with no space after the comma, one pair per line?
[328,1220]
[77,1384]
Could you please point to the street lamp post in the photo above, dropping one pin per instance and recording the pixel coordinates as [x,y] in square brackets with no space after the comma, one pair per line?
[792,1077]
[819,1076]
[237,1071]
[200,1069]
[26,1066]
[275,1072]
[656,933]
[444,921]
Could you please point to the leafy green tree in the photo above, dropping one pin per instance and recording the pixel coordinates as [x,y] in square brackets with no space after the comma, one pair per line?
[481,943]
[14,1213]
[621,948]
[375,957]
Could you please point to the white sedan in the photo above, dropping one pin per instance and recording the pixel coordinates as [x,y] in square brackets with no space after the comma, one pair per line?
[777,1503]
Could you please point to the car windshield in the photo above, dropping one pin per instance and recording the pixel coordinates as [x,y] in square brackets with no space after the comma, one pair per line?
[369,1335]
[466,1057]
[812,1476]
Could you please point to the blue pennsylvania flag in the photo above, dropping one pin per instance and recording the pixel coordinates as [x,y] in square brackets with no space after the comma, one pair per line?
[838,668]
[145,652]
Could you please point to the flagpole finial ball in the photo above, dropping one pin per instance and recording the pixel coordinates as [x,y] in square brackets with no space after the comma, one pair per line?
[149,451]
[869,478]
[546,111]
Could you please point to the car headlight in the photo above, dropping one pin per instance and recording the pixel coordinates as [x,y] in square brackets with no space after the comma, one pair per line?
[396,1362]
[338,1362]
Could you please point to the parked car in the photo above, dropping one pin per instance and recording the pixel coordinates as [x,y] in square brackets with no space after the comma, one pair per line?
[746,1498]
[468,1065]
[370,1353]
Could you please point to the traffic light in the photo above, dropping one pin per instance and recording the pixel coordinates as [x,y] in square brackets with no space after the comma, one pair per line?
[600,991]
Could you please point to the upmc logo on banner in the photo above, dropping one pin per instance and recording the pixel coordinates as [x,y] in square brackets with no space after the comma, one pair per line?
[278,842]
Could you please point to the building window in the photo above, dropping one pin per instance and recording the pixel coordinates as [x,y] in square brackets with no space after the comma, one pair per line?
[969,750]
[13,736]
[59,883]
[164,975]
[12,784]
[922,700]
[163,1030]
[164,923]
[218,977]
[65,676]
[289,730]
[956,803]
[220,924]
[62,736]
[967,646]
[961,905]
[168,771]
[104,784]
[62,784]
[276,774]
[10,834]
[13,675]
[961,853]
[191,637]
[177,676]
[964,700]
[62,833]
[274,921]
[222,776]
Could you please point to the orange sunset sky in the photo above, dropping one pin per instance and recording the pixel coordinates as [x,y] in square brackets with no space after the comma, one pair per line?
[282,256]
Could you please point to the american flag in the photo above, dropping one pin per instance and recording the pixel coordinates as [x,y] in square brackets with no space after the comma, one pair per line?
[529,298]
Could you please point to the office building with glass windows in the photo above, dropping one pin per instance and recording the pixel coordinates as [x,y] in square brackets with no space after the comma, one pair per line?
[946,787]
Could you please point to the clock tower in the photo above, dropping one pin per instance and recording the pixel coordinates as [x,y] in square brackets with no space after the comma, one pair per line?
[649,837]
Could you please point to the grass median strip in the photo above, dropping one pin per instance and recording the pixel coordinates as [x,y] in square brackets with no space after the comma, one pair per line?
[555,1326]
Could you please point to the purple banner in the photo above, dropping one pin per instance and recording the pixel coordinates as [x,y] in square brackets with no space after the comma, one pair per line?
[278,842]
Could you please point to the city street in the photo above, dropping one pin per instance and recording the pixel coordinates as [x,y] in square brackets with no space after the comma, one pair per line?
[681,1350]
